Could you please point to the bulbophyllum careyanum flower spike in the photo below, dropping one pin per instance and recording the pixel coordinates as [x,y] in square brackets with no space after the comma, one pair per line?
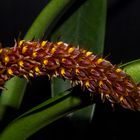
[99,76]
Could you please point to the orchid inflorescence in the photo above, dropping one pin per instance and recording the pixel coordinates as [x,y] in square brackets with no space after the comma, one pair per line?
[97,75]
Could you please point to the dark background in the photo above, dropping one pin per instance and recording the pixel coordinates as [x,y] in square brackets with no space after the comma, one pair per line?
[122,44]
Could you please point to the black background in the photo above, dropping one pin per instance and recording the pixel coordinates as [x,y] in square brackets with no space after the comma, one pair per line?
[122,44]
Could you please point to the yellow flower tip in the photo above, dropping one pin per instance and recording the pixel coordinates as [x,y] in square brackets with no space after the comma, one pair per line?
[59,43]
[21,42]
[118,70]
[43,43]
[70,50]
[24,49]
[21,63]
[77,71]
[9,71]
[1,50]
[45,62]
[83,51]
[100,60]
[88,53]
[53,50]
[121,98]
[107,95]
[34,54]
[31,74]
[62,71]
[6,59]
[26,77]
[100,83]
[37,69]
[87,84]
[63,60]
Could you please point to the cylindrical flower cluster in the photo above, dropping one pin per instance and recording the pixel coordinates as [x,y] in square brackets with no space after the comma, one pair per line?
[99,76]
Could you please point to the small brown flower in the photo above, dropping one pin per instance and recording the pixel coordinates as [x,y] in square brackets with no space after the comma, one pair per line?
[99,76]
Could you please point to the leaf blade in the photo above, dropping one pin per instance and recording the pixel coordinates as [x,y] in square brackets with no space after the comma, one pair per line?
[25,126]
[133,69]
[46,18]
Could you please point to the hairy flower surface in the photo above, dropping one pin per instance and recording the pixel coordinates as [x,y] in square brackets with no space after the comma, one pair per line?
[99,76]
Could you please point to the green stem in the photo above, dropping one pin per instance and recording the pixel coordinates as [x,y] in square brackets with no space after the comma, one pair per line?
[30,123]
[12,95]
[43,22]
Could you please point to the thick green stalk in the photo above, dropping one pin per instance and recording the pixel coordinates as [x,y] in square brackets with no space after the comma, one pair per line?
[12,94]
[46,18]
[32,121]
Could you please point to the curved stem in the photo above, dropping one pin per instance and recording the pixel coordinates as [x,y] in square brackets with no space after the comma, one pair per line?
[46,18]
[49,111]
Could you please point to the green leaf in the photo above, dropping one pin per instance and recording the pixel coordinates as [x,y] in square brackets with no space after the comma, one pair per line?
[47,103]
[59,85]
[133,69]
[40,116]
[7,97]
[84,114]
[84,27]
[12,94]
[47,18]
